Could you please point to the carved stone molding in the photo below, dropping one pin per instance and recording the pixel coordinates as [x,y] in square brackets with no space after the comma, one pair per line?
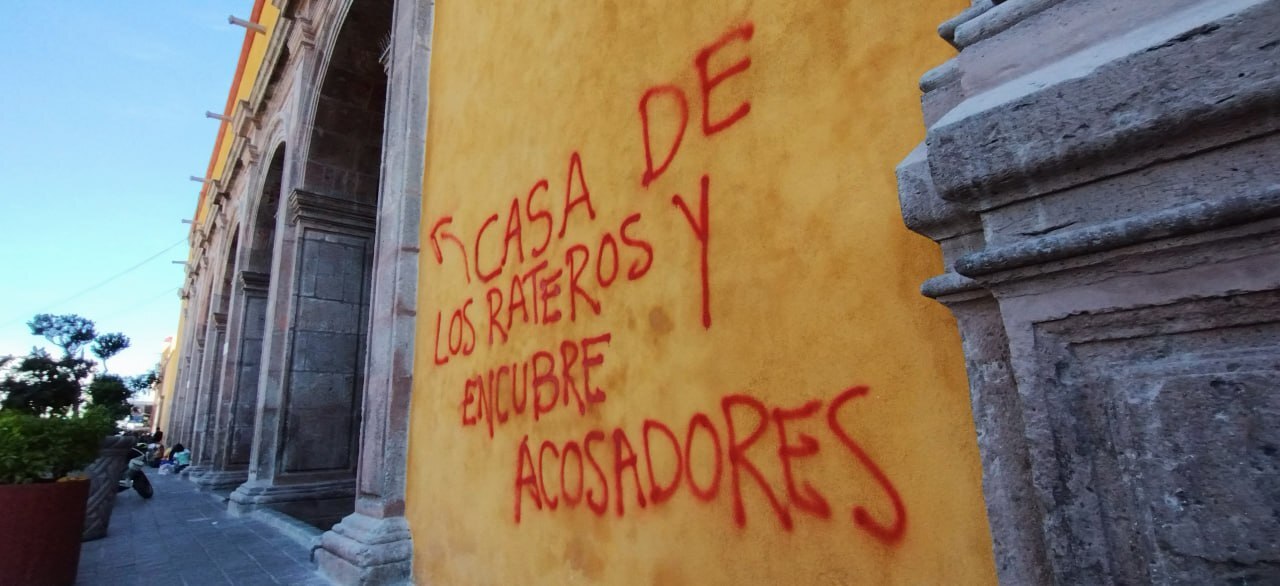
[323,210]
[1104,182]
[217,204]
[250,155]
[286,7]
[304,37]
[1137,99]
[244,121]
[254,282]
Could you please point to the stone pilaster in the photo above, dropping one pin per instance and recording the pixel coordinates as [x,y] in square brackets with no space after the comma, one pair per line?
[190,390]
[207,391]
[1104,179]
[373,545]
[1014,517]
[306,453]
[196,321]
[236,406]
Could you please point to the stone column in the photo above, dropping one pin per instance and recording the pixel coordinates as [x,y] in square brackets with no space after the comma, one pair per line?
[373,545]
[192,357]
[191,390]
[207,391]
[1014,517]
[305,453]
[197,322]
[233,433]
[1104,179]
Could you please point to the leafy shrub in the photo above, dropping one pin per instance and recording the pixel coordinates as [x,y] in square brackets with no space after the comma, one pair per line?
[45,432]
[44,449]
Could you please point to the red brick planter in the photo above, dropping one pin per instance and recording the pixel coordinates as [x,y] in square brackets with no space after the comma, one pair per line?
[40,528]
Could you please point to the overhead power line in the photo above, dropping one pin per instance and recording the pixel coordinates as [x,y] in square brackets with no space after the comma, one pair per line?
[137,306]
[101,283]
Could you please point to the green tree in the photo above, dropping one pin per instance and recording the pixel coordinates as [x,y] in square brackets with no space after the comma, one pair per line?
[43,385]
[107,345]
[110,393]
[40,384]
[144,381]
[69,332]
[43,432]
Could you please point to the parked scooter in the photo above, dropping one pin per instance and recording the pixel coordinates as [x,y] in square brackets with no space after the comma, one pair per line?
[134,477]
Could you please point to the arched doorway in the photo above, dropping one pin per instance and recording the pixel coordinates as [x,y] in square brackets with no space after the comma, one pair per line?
[192,364]
[306,448]
[203,444]
[236,413]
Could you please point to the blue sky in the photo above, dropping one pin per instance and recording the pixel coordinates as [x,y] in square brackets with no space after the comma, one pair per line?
[101,122]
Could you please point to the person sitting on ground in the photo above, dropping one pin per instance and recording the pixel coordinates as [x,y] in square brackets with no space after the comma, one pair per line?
[155,449]
[155,454]
[181,457]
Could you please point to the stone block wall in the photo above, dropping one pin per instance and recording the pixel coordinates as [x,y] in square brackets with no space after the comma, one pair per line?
[328,346]
[1104,179]
[245,402]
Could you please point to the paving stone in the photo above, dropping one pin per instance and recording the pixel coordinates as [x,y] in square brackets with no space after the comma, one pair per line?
[204,579]
[251,578]
[183,536]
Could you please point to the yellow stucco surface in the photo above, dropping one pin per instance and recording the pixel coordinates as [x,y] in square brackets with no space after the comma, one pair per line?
[831,436]
[169,377]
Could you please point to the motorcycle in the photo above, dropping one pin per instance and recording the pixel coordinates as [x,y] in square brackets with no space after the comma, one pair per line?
[134,477]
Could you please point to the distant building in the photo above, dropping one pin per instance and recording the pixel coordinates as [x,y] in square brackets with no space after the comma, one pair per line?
[628,293]
[141,413]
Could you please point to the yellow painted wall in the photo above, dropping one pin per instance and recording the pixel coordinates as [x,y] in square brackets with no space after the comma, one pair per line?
[818,364]
[169,376]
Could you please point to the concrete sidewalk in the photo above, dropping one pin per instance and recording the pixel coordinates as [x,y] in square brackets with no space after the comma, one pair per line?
[182,536]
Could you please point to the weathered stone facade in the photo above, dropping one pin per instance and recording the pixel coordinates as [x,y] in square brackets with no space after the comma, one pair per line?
[306,259]
[1103,179]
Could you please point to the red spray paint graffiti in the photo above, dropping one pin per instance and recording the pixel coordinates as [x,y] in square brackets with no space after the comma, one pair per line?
[539,293]
[739,454]
[708,81]
[527,288]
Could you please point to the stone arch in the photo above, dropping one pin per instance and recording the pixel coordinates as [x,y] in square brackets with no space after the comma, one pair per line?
[249,285]
[374,545]
[203,443]
[263,217]
[255,282]
[342,146]
[193,358]
[306,446]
